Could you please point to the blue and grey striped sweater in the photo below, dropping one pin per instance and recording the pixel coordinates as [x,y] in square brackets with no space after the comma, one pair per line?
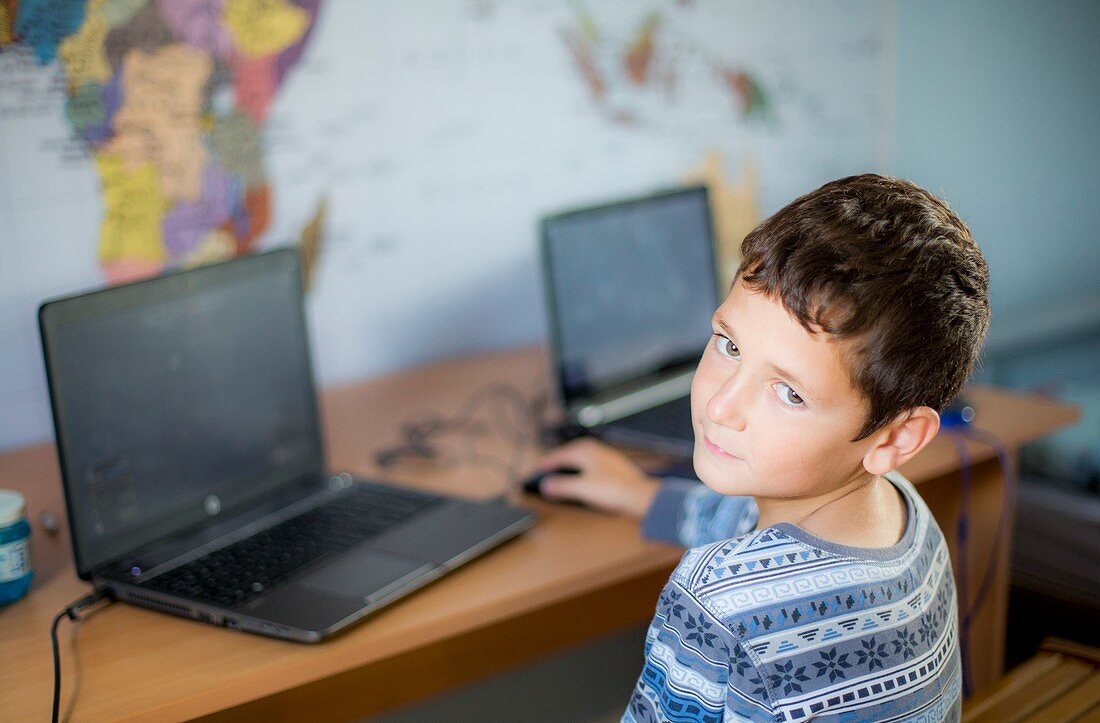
[780,625]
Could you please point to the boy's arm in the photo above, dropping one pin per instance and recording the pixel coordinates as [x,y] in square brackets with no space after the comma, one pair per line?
[691,514]
[695,668]
[675,510]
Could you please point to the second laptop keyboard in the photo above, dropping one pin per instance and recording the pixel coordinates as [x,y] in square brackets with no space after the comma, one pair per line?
[240,572]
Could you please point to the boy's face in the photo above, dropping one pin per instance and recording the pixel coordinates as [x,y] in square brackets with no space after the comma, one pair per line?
[772,405]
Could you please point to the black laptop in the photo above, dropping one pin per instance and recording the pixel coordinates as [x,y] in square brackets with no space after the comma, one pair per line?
[630,290]
[192,462]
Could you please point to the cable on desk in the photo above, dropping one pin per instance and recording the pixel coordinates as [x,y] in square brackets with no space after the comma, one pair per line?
[512,414]
[72,612]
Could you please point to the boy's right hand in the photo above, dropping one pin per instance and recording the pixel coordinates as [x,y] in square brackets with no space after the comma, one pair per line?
[608,480]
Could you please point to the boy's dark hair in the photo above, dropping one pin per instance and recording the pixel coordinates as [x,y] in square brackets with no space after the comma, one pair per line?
[885,264]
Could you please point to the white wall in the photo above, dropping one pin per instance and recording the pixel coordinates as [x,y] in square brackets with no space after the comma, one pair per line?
[998,109]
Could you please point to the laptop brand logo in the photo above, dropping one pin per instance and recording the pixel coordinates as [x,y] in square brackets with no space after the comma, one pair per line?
[212,505]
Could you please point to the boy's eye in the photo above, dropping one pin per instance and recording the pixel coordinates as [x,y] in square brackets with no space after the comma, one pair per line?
[726,347]
[788,396]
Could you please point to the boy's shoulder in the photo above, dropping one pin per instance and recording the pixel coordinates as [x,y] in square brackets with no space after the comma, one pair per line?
[719,572]
[787,577]
[798,625]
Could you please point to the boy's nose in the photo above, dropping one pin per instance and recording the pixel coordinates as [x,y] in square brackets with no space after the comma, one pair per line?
[728,404]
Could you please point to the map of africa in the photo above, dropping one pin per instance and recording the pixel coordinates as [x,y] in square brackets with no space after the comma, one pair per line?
[170,97]
[409,147]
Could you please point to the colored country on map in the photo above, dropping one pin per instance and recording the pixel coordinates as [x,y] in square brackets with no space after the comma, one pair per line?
[186,223]
[264,27]
[86,113]
[44,24]
[91,108]
[7,21]
[131,235]
[254,85]
[120,12]
[159,119]
[198,23]
[216,245]
[83,54]
[251,218]
[640,64]
[234,141]
[287,58]
[640,54]
[580,41]
[748,92]
[144,30]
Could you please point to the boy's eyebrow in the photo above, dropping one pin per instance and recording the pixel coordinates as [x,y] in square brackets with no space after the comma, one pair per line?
[802,388]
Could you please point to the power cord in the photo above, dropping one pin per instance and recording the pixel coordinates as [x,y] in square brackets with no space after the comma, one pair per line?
[72,612]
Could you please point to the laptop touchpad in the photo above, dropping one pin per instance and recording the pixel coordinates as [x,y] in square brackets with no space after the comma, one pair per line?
[365,573]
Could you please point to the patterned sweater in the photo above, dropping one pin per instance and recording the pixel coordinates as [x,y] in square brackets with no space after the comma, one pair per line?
[780,625]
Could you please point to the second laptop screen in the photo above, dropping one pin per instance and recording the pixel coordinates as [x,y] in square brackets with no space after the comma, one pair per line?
[633,289]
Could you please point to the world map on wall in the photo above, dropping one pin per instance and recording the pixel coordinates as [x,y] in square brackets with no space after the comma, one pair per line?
[408,147]
[636,75]
[169,96]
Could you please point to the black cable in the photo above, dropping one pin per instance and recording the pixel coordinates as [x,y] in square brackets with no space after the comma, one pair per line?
[513,415]
[72,612]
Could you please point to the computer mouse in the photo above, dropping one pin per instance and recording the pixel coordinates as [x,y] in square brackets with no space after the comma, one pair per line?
[533,484]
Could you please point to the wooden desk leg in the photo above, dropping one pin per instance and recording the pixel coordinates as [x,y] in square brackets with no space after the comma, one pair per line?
[988,624]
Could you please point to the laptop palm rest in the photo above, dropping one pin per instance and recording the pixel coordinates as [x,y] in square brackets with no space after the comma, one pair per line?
[338,589]
[452,533]
[440,538]
[364,573]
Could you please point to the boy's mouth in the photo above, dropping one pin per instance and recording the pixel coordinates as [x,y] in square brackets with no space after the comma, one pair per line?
[718,451]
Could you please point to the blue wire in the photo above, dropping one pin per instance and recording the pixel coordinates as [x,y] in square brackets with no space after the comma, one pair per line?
[962,535]
[1008,474]
[958,435]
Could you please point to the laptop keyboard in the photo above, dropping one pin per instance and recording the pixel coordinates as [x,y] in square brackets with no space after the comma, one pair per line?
[665,428]
[242,571]
[671,419]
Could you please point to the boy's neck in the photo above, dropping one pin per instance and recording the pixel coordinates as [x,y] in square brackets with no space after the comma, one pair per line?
[866,511]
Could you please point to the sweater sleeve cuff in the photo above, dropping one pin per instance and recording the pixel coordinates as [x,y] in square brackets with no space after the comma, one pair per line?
[662,521]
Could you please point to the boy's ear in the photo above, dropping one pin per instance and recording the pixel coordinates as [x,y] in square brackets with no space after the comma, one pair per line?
[900,440]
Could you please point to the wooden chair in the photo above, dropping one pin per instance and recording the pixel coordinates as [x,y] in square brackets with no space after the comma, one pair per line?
[1060,683]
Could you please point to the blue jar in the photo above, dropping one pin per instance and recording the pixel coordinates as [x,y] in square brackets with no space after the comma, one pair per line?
[16,567]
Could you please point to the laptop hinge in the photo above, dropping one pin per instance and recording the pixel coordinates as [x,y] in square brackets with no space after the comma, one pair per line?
[609,410]
[164,554]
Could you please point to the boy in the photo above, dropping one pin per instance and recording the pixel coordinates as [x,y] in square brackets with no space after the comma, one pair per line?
[817,585]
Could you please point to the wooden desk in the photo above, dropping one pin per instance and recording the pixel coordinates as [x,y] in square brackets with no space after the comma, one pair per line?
[577,576]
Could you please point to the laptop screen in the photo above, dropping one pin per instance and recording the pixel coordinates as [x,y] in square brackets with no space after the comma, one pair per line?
[179,399]
[631,287]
